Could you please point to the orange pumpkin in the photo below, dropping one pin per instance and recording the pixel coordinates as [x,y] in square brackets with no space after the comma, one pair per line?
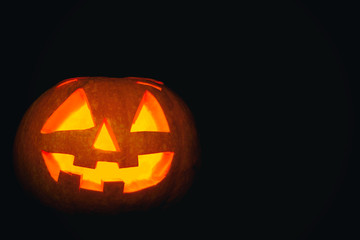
[107,144]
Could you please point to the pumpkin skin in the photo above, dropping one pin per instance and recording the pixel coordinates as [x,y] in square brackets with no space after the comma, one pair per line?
[115,104]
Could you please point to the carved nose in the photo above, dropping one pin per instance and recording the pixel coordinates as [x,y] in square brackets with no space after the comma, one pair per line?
[105,138]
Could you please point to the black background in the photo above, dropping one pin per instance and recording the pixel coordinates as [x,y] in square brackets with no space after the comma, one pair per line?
[272,86]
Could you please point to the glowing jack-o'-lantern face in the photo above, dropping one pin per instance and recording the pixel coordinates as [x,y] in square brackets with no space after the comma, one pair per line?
[75,114]
[129,132]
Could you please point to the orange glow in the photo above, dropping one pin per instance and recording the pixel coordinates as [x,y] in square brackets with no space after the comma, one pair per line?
[149,116]
[147,79]
[151,170]
[155,81]
[149,84]
[105,138]
[66,82]
[73,114]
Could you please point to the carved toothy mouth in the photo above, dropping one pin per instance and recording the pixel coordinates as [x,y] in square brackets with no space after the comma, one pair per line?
[151,170]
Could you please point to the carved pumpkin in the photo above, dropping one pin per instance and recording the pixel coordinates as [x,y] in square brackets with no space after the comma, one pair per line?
[107,144]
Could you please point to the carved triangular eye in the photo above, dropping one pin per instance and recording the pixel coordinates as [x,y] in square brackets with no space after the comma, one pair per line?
[73,114]
[149,116]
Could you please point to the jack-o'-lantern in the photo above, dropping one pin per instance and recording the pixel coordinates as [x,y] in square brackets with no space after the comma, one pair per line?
[107,144]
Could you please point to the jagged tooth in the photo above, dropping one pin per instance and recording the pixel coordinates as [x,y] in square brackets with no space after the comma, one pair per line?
[113,187]
[69,181]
